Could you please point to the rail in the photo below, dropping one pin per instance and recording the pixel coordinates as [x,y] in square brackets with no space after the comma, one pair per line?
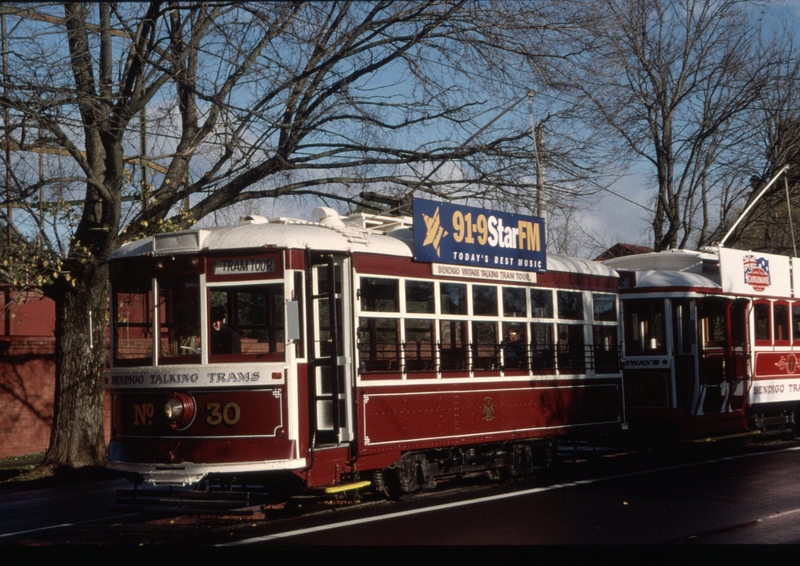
[419,357]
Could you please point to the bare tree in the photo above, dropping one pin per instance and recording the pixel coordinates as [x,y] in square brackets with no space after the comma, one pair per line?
[152,116]
[674,80]
[775,143]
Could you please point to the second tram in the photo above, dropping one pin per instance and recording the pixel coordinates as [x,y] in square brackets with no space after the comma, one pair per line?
[711,342]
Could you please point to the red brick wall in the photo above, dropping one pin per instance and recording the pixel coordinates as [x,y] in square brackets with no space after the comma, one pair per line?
[27,375]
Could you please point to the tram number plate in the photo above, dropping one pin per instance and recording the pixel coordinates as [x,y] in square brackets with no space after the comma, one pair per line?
[229,414]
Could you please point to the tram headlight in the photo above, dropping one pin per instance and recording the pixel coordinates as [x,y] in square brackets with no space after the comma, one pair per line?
[179,410]
[173,409]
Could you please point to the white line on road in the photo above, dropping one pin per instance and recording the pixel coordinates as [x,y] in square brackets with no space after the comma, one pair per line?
[350,523]
[50,527]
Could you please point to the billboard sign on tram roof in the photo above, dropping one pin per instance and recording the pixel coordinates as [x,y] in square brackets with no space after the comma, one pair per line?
[754,273]
[464,235]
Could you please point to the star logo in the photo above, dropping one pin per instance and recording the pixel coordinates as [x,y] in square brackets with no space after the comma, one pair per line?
[434,231]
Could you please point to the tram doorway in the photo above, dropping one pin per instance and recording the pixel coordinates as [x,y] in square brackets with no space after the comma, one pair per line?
[330,358]
[684,346]
[723,354]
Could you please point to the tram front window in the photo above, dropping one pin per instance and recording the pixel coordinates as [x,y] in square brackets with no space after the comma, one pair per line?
[246,321]
[179,320]
[644,328]
[176,310]
[132,322]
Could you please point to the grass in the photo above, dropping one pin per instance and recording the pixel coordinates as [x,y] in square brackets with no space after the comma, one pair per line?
[14,466]
[24,472]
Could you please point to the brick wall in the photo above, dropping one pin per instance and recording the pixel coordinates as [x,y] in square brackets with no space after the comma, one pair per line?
[27,375]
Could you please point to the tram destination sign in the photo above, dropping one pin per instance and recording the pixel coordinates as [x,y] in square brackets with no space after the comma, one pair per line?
[239,266]
[464,235]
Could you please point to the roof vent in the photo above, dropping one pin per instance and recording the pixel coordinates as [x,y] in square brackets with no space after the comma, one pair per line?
[253,219]
[326,216]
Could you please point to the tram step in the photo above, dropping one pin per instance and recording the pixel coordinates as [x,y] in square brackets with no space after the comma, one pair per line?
[185,500]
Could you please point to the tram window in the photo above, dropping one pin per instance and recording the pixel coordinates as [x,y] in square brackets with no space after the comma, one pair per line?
[419,345]
[323,286]
[255,313]
[571,350]
[484,345]
[453,298]
[298,296]
[324,343]
[780,322]
[739,311]
[133,323]
[570,305]
[379,295]
[179,320]
[606,353]
[484,300]
[682,326]
[419,297]
[542,347]
[541,303]
[514,302]
[605,307]
[644,327]
[515,345]
[796,322]
[452,348]
[378,345]
[713,328]
[761,322]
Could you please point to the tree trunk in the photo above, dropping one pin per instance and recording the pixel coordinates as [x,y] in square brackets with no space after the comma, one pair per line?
[77,437]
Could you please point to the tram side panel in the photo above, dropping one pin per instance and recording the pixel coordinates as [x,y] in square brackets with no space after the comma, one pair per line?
[409,418]
[413,394]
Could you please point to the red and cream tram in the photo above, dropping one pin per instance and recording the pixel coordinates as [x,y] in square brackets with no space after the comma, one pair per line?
[711,341]
[321,350]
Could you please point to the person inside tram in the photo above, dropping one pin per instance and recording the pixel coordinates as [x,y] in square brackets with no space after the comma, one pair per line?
[514,350]
[224,340]
[566,354]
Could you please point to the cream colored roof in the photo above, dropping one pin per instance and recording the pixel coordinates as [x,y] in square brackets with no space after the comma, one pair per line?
[389,236]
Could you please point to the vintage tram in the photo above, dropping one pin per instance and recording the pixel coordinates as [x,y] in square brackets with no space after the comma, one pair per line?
[322,351]
[711,342]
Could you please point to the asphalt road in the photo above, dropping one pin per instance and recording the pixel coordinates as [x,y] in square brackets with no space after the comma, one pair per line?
[730,496]
[751,498]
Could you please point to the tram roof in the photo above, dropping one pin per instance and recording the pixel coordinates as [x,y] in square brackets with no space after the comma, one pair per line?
[327,231]
[672,269]
[671,260]
[675,279]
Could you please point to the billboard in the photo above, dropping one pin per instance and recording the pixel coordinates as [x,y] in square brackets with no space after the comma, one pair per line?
[754,273]
[464,235]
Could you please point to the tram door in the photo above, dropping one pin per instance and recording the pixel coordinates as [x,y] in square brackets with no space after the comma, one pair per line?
[684,345]
[740,356]
[723,354]
[330,364]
